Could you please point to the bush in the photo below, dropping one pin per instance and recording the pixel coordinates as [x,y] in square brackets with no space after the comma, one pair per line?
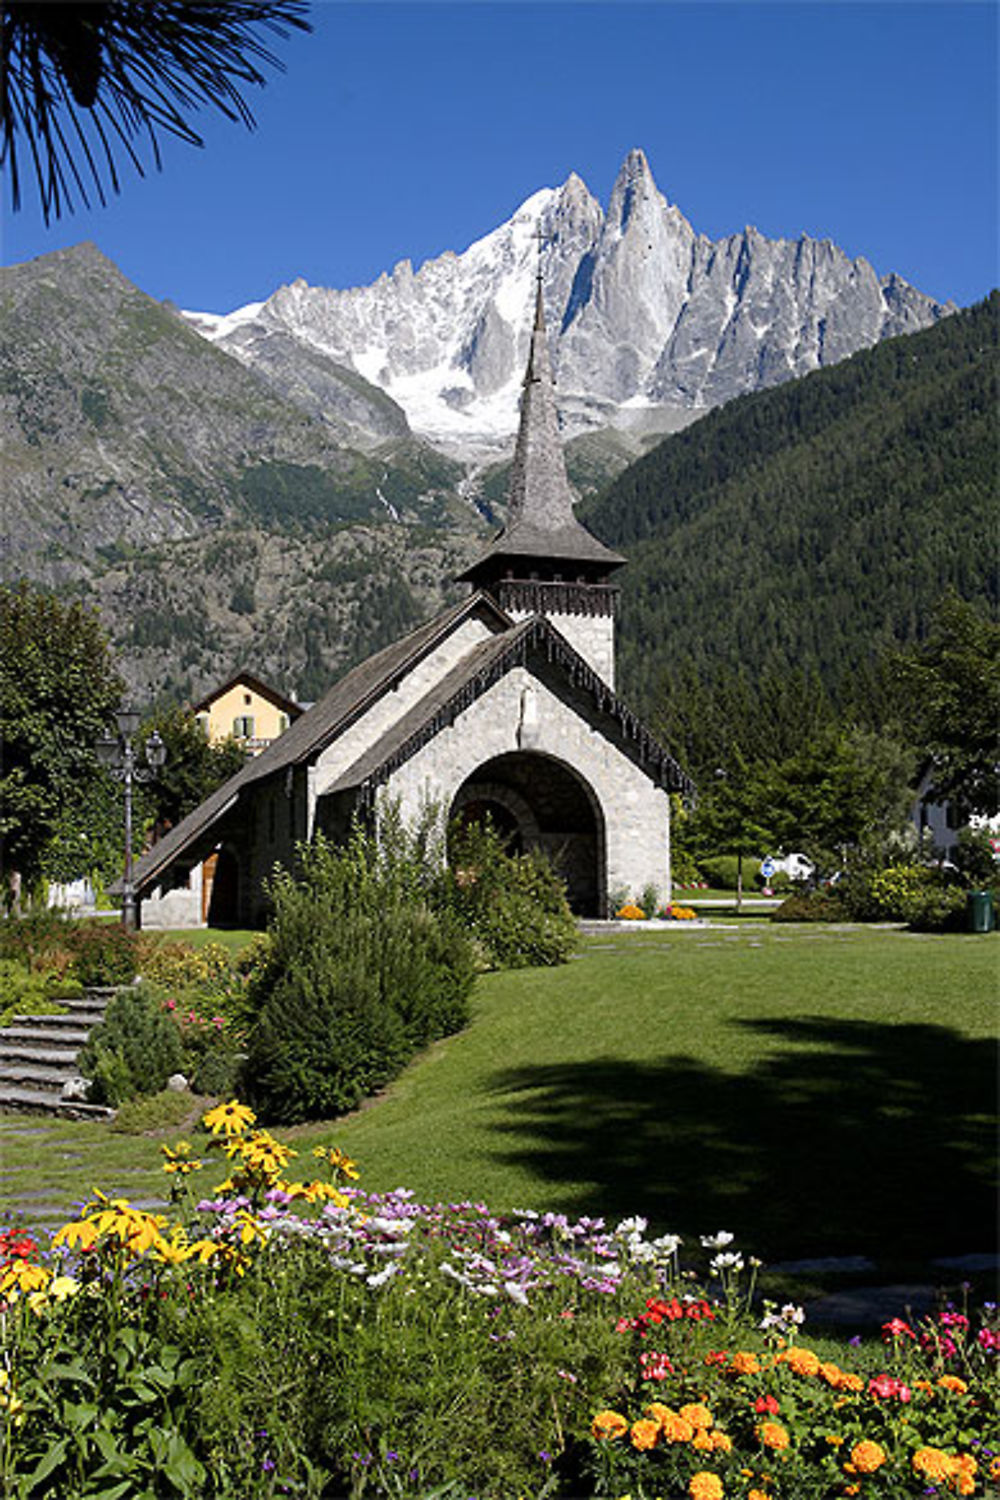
[360,974]
[41,940]
[810,906]
[133,1051]
[513,905]
[722,870]
[937,909]
[23,993]
[104,954]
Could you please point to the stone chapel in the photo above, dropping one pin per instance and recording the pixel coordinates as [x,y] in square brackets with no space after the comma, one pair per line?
[504,704]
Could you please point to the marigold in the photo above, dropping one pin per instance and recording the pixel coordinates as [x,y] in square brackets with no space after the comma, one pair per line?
[867,1456]
[933,1463]
[802,1361]
[954,1384]
[676,1429]
[658,1411]
[705,1486]
[758,1495]
[702,1440]
[773,1435]
[645,1434]
[608,1424]
[697,1415]
[721,1442]
[743,1363]
[849,1382]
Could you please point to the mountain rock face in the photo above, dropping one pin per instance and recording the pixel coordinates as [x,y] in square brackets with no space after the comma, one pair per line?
[651,324]
[121,428]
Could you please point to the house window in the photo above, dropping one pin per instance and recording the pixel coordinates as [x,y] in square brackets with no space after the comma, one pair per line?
[282,723]
[243,727]
[247,699]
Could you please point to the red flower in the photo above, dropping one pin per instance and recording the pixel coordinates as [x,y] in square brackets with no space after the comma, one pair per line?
[766,1405]
[897,1329]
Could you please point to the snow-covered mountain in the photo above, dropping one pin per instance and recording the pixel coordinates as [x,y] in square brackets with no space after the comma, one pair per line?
[650,323]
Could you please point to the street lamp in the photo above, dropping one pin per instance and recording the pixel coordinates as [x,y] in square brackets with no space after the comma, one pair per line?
[121,758]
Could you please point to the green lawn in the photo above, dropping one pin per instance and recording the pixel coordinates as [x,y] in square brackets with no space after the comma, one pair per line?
[815,1090]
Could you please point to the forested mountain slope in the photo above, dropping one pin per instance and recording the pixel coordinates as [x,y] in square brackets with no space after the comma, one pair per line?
[811,526]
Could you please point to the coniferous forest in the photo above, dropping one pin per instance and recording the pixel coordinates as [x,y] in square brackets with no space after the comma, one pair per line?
[784,544]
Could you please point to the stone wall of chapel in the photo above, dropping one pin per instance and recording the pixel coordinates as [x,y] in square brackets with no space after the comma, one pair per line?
[592,636]
[521,713]
[391,707]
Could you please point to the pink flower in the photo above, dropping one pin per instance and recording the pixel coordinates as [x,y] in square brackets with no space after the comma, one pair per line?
[885,1387]
[171,1005]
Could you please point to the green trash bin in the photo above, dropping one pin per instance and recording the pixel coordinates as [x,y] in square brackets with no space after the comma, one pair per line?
[980,910]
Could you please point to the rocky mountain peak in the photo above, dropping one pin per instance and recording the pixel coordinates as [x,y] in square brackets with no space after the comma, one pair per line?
[652,323]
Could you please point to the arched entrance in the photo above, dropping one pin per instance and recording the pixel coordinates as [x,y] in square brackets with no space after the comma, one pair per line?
[538,802]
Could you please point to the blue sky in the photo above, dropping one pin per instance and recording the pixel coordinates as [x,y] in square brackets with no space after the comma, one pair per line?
[403,130]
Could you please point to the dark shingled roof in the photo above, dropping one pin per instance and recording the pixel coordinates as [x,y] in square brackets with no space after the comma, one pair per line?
[314,730]
[476,674]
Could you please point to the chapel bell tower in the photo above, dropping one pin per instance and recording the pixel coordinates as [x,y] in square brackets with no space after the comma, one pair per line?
[545,562]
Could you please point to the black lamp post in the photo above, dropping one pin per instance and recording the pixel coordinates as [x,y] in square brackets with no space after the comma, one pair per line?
[121,758]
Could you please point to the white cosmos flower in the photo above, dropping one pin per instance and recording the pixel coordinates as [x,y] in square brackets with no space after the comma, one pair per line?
[717,1241]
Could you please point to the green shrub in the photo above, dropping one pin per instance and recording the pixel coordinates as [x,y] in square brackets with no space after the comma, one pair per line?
[41,940]
[810,906]
[104,954]
[513,905]
[900,888]
[722,870]
[133,1051]
[361,972]
[937,909]
[24,993]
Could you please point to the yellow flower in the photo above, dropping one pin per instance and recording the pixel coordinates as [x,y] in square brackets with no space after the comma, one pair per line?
[867,1456]
[231,1118]
[658,1411]
[81,1233]
[608,1424]
[705,1486]
[250,1229]
[697,1415]
[952,1383]
[744,1363]
[702,1440]
[173,1251]
[339,1160]
[758,1495]
[645,1433]
[21,1276]
[721,1443]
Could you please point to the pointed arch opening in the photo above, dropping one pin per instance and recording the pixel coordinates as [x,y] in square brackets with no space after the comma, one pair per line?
[539,802]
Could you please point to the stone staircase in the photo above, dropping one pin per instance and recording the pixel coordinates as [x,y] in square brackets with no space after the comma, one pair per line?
[38,1057]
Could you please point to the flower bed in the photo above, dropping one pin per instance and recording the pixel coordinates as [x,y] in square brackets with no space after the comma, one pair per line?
[286,1335]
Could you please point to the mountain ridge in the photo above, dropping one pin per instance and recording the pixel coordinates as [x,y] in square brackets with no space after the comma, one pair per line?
[651,323]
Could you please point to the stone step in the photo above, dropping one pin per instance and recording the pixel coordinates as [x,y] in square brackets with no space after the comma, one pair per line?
[80,1015]
[39,1073]
[31,1052]
[24,1100]
[24,1028]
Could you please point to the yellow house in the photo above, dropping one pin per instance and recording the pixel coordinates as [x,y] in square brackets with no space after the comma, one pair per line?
[247,710]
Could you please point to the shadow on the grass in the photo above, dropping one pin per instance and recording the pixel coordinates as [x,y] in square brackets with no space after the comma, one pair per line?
[848,1138]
